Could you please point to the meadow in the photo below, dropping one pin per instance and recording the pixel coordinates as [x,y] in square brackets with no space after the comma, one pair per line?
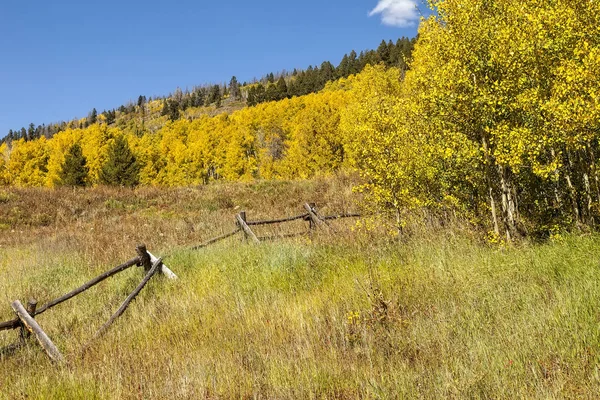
[439,313]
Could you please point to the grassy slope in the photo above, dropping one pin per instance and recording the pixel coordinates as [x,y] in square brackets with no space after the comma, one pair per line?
[434,317]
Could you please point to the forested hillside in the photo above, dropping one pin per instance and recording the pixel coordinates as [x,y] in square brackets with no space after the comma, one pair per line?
[289,130]
[227,96]
[496,120]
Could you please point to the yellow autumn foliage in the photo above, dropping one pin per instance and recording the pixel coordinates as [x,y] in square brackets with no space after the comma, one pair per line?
[498,117]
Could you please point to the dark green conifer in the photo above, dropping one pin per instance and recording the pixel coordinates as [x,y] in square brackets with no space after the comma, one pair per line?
[93,117]
[383,53]
[282,89]
[121,167]
[74,170]
[234,88]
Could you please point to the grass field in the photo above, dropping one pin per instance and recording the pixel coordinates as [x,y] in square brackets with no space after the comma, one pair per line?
[437,315]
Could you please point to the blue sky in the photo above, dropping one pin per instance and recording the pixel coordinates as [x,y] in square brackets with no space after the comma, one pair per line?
[62,58]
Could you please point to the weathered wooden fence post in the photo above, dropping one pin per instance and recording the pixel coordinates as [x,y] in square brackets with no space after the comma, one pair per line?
[242,216]
[144,257]
[147,259]
[312,216]
[154,268]
[31,308]
[241,221]
[33,327]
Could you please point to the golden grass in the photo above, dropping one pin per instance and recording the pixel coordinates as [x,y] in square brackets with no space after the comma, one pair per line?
[351,316]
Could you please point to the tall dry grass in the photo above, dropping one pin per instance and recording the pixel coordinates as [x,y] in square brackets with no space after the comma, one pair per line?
[438,315]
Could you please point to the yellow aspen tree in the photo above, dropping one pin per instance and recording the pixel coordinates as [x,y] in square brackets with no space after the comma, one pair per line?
[173,146]
[28,164]
[58,147]
[5,179]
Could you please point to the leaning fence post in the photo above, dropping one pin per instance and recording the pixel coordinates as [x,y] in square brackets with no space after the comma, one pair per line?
[153,270]
[144,257]
[311,225]
[241,221]
[147,259]
[34,328]
[312,216]
[31,308]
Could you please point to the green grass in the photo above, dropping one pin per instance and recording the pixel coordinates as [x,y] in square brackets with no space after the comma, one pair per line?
[438,315]
[441,318]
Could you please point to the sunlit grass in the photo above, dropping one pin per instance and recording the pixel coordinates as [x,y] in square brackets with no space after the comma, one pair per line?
[437,316]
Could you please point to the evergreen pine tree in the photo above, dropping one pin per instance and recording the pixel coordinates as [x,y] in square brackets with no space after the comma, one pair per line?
[383,53]
[31,132]
[271,94]
[213,95]
[326,73]
[282,90]
[234,88]
[343,70]
[251,99]
[121,167]
[353,63]
[173,110]
[165,108]
[93,117]
[74,170]
[260,94]
[199,98]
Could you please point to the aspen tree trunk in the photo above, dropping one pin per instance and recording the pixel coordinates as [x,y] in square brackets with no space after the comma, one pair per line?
[594,171]
[488,174]
[557,184]
[398,222]
[508,205]
[590,203]
[516,202]
[572,191]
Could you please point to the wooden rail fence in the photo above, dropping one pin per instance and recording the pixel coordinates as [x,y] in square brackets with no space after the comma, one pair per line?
[311,215]
[25,317]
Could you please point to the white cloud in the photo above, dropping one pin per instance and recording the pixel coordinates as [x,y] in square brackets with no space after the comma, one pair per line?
[401,13]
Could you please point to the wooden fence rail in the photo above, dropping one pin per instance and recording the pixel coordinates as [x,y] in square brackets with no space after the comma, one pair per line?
[155,268]
[25,318]
[246,227]
[277,221]
[89,285]
[33,327]
[152,265]
[217,239]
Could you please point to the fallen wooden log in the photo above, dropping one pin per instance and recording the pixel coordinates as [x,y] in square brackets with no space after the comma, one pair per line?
[33,327]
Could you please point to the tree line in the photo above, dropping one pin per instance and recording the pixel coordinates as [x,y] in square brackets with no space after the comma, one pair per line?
[271,87]
[497,121]
[314,79]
